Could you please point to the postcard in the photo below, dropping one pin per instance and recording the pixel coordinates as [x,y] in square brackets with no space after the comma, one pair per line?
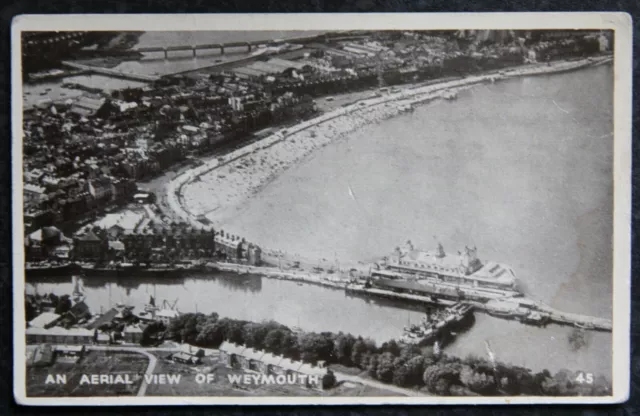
[321,209]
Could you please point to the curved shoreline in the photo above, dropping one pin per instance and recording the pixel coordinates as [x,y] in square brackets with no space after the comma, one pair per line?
[246,171]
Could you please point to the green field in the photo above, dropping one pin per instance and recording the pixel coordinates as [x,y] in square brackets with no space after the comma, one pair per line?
[222,388]
[94,362]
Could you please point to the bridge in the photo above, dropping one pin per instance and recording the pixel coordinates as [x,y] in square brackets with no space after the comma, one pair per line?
[248,45]
[111,72]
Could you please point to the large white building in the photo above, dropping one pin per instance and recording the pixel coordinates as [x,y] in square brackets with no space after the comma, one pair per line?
[463,268]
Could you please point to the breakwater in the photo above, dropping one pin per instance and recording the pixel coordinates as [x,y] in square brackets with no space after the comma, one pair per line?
[333,281]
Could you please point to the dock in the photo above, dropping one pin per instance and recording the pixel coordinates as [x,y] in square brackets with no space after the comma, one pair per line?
[523,309]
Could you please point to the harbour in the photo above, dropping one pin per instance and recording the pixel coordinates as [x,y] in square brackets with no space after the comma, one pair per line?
[255,298]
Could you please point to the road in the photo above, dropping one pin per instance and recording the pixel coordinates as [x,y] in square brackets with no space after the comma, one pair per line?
[379,385]
[153,362]
[144,351]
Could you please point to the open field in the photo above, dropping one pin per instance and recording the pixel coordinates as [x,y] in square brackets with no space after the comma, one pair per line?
[94,362]
[221,386]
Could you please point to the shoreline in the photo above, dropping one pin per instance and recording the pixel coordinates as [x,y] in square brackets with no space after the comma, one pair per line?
[218,189]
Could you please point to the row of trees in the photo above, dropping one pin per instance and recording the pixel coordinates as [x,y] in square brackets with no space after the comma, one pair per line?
[403,365]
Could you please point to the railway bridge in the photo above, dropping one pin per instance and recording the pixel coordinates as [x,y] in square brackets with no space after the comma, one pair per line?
[249,45]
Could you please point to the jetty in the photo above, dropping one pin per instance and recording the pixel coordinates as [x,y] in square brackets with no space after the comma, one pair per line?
[522,309]
[530,311]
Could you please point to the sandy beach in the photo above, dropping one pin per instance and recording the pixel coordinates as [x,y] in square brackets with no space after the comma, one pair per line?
[218,189]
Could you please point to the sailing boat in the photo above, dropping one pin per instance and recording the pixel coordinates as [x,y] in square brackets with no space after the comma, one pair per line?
[77,294]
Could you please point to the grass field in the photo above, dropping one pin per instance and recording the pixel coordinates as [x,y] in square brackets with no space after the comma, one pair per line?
[221,387]
[94,362]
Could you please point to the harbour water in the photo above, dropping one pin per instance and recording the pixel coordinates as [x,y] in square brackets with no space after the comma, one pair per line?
[316,308]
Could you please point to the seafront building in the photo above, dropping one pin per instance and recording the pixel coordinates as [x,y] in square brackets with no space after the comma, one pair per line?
[463,269]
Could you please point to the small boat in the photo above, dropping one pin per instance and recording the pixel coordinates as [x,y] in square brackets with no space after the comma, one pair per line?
[535,318]
[584,325]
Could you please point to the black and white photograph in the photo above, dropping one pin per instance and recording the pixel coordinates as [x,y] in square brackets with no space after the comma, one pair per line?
[318,209]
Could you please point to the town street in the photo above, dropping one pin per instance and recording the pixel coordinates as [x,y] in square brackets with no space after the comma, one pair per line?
[379,385]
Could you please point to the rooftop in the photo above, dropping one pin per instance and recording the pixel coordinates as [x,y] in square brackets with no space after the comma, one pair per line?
[231,348]
[59,331]
[33,188]
[43,319]
[253,354]
[106,317]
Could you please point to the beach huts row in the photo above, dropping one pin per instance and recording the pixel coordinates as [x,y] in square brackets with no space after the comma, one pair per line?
[240,357]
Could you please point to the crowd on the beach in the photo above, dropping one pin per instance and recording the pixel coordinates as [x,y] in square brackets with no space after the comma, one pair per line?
[83,155]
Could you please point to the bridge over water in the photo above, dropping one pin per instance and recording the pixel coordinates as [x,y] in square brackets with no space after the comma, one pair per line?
[249,45]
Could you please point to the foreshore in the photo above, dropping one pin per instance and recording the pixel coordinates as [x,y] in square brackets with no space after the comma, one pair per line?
[219,188]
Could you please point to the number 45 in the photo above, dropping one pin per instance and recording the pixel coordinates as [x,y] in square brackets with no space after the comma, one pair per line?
[584,378]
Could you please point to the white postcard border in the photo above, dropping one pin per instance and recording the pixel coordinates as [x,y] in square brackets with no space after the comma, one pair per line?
[621,23]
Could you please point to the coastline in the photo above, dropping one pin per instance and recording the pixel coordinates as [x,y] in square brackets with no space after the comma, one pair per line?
[218,189]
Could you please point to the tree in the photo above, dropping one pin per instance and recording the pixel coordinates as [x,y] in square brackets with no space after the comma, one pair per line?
[479,382]
[364,361]
[151,333]
[189,332]
[372,368]
[290,346]
[439,378]
[204,321]
[385,368]
[234,332]
[314,347]
[211,336]
[255,333]
[343,349]
[357,351]
[328,380]
[273,341]
[415,369]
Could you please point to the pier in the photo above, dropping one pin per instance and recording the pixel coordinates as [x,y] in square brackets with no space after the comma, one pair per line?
[522,309]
